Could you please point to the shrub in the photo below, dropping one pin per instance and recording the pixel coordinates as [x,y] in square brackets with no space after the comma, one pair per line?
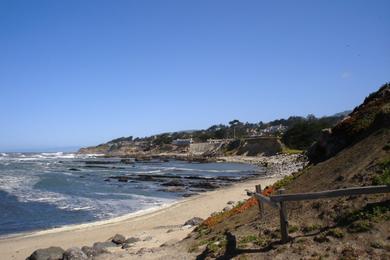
[336,232]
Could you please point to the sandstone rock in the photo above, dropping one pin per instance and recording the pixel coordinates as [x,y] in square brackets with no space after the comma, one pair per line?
[54,253]
[194,221]
[74,253]
[118,239]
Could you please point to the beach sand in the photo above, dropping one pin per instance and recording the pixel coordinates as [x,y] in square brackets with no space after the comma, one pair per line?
[156,228]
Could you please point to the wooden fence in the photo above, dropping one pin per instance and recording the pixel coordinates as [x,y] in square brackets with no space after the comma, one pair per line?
[279,201]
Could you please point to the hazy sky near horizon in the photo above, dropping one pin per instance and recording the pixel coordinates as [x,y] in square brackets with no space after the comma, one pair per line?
[76,73]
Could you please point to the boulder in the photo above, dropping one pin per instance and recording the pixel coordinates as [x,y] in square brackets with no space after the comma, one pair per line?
[118,239]
[103,245]
[194,221]
[53,253]
[74,253]
[91,251]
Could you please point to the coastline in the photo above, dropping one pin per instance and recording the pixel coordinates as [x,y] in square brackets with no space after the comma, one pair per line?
[150,225]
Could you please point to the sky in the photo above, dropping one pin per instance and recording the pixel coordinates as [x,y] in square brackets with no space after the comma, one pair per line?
[77,73]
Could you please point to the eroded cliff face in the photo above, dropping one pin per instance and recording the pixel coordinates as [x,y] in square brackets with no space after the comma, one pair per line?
[372,115]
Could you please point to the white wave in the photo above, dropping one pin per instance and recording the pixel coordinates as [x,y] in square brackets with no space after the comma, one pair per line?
[22,188]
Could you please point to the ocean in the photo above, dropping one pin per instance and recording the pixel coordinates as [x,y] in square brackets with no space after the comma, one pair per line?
[41,191]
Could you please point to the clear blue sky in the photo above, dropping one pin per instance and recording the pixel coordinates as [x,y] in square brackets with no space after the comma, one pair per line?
[76,73]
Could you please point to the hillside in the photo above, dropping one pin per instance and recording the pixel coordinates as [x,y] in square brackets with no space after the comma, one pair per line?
[355,227]
[236,138]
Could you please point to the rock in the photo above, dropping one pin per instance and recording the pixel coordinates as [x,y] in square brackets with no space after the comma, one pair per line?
[54,253]
[230,202]
[194,221]
[91,251]
[74,253]
[214,214]
[132,240]
[173,183]
[103,245]
[126,246]
[118,239]
[145,178]
[123,179]
[249,193]
[145,251]
[205,185]
[74,169]
[171,242]
[227,208]
[170,230]
[148,238]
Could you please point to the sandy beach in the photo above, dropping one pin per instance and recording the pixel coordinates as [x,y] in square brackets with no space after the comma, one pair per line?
[150,227]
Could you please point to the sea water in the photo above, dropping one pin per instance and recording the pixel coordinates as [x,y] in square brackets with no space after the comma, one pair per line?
[46,190]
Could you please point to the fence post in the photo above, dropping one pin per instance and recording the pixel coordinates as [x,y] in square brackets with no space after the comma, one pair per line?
[261,208]
[283,219]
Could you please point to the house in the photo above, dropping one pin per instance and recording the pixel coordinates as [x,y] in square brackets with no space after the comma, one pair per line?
[182,142]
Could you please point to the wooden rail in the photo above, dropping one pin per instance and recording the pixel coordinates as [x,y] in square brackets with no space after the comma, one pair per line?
[278,201]
[331,193]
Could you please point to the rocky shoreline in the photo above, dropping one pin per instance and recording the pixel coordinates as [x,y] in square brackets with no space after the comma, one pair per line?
[269,166]
[275,166]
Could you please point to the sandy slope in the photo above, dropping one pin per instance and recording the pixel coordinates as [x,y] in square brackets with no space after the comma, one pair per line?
[153,224]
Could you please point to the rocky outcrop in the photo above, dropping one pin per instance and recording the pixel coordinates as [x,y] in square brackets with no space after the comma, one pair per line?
[260,146]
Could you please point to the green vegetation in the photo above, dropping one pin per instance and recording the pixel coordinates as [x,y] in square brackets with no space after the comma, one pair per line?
[360,226]
[383,178]
[290,151]
[293,229]
[376,244]
[248,239]
[304,133]
[335,232]
[363,220]
[310,228]
[386,147]
[287,179]
[283,182]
